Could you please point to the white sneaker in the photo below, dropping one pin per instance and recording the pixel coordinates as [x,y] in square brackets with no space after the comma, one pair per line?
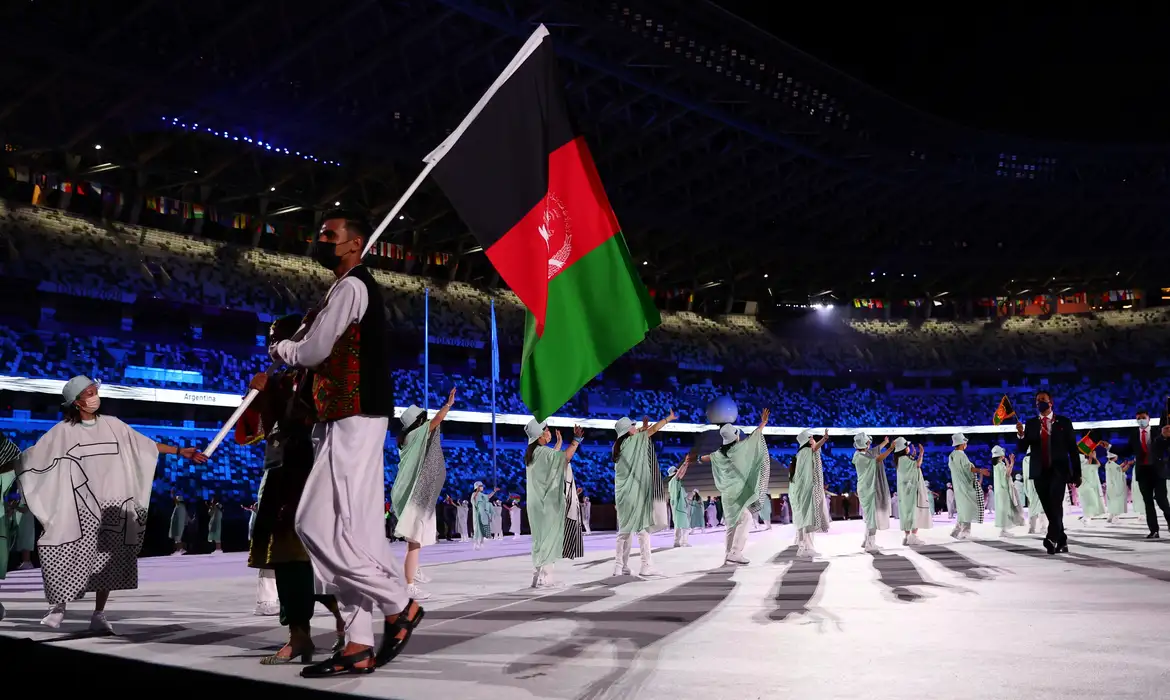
[736,559]
[1112,519]
[1031,527]
[415,592]
[650,572]
[55,616]
[963,534]
[619,571]
[99,623]
[420,577]
[267,609]
[955,532]
[905,540]
[914,541]
[177,553]
[1005,534]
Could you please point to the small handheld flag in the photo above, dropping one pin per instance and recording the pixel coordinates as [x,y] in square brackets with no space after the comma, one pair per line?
[1086,445]
[1003,412]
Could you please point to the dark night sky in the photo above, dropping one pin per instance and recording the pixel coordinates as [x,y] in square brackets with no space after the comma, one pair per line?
[1067,75]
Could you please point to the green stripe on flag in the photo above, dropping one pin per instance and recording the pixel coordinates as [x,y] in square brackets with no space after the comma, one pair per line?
[598,309]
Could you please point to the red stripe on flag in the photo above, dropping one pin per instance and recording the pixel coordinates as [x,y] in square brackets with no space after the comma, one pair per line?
[572,219]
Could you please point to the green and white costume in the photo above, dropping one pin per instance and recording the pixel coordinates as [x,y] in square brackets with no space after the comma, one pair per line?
[1089,492]
[639,497]
[1009,512]
[1116,490]
[680,508]
[422,471]
[742,469]
[914,501]
[550,505]
[873,488]
[806,493]
[967,502]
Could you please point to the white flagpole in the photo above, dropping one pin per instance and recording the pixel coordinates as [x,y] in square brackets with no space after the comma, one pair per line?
[432,159]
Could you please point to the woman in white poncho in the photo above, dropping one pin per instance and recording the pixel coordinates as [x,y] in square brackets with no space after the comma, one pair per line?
[88,482]
[806,491]
[639,497]
[741,469]
[915,503]
[461,509]
[968,492]
[497,520]
[552,498]
[680,505]
[422,471]
[1008,511]
[1116,491]
[1089,492]
[873,488]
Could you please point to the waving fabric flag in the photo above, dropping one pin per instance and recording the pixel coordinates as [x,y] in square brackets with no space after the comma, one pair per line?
[525,184]
[1003,412]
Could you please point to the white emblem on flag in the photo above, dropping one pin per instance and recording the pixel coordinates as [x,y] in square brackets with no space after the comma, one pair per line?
[556,230]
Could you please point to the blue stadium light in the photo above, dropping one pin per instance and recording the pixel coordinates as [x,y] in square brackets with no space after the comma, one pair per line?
[268,146]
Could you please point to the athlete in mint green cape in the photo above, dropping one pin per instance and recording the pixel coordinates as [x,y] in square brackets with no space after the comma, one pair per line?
[550,504]
[638,492]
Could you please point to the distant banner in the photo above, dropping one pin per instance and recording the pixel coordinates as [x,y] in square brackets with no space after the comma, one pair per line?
[926,373]
[457,342]
[812,372]
[81,290]
[202,398]
[700,367]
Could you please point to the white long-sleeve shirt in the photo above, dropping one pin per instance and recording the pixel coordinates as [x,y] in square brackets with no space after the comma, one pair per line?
[345,304]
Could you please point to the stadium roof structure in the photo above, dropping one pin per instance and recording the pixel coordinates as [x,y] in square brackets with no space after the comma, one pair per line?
[726,153]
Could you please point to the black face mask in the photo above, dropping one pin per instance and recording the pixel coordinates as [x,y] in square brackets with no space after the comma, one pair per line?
[1043,406]
[326,255]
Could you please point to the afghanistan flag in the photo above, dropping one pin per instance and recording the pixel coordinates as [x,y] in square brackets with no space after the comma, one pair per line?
[525,184]
[1003,412]
[1086,445]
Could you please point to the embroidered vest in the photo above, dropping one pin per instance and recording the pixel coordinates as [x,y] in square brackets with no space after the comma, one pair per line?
[355,379]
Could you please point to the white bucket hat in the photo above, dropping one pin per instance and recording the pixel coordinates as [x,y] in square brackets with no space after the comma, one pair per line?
[861,441]
[74,387]
[958,439]
[997,451]
[900,444]
[478,485]
[729,433]
[672,471]
[803,436]
[410,415]
[622,426]
[534,430]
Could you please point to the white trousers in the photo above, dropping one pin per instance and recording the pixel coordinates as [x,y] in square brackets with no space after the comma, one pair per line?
[341,520]
[680,536]
[625,544]
[266,588]
[736,537]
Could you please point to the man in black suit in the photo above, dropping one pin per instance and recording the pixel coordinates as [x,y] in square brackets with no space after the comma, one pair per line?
[1149,474]
[1055,464]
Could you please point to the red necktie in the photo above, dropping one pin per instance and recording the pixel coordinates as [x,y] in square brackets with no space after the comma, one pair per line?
[1044,460]
[1145,448]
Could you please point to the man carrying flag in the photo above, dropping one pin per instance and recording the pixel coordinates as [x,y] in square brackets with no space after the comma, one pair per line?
[1054,464]
[525,184]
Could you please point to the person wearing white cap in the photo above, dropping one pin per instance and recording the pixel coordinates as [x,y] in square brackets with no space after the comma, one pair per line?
[915,504]
[481,514]
[639,497]
[422,471]
[497,520]
[968,494]
[515,516]
[806,492]
[552,499]
[952,507]
[88,482]
[1089,490]
[742,469]
[1116,490]
[461,509]
[1008,511]
[680,509]
[873,488]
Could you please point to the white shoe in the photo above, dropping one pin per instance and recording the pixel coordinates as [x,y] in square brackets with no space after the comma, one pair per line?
[1031,527]
[267,609]
[415,592]
[420,577]
[650,572]
[955,532]
[736,560]
[914,541]
[905,540]
[1112,519]
[177,553]
[962,534]
[55,616]
[619,571]
[99,623]
[1005,534]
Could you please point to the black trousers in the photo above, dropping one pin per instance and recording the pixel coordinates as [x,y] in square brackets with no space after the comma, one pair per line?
[294,588]
[1051,489]
[1154,492]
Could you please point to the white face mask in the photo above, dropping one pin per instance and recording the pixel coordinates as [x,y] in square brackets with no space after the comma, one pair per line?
[1143,422]
[92,404]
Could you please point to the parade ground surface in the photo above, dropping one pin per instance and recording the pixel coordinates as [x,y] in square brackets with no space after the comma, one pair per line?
[987,618]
